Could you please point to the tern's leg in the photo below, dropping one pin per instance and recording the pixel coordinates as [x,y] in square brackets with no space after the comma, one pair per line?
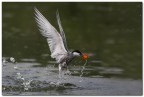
[60,70]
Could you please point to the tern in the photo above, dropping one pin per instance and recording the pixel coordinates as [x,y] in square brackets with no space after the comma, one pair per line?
[57,41]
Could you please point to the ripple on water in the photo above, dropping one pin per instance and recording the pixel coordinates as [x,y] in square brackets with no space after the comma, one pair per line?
[32,78]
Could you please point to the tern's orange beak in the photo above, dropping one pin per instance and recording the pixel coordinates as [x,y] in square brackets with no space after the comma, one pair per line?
[85,56]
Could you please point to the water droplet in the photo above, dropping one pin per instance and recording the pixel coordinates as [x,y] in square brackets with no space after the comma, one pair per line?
[19,76]
[27,84]
[82,71]
[12,59]
[4,61]
[18,73]
[23,78]
[15,67]
[4,88]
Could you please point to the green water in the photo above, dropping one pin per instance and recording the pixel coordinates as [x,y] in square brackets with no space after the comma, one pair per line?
[111,34]
[110,31]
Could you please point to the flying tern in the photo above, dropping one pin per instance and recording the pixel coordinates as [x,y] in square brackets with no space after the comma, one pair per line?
[57,41]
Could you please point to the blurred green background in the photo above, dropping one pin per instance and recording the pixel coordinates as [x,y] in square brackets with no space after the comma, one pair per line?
[109,32]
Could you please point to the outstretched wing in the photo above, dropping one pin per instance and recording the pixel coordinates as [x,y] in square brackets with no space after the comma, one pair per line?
[61,30]
[54,39]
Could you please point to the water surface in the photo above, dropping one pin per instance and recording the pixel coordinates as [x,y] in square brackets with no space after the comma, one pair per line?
[111,34]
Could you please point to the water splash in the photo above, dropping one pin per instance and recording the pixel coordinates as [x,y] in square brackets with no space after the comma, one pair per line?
[82,71]
[56,83]
[4,61]
[19,76]
[54,66]
[15,67]
[12,59]
[26,84]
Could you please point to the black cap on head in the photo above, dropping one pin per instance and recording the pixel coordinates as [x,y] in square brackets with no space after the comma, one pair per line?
[77,52]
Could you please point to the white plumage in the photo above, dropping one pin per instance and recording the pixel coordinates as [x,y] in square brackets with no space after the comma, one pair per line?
[54,39]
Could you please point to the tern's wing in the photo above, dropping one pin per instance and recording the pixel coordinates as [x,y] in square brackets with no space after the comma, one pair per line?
[54,39]
[61,30]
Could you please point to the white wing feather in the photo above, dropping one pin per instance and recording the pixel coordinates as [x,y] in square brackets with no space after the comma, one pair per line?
[61,30]
[54,39]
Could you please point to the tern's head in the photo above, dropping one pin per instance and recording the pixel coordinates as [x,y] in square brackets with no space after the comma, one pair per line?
[78,53]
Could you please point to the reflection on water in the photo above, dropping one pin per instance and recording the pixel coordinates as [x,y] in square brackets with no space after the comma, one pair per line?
[111,34]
